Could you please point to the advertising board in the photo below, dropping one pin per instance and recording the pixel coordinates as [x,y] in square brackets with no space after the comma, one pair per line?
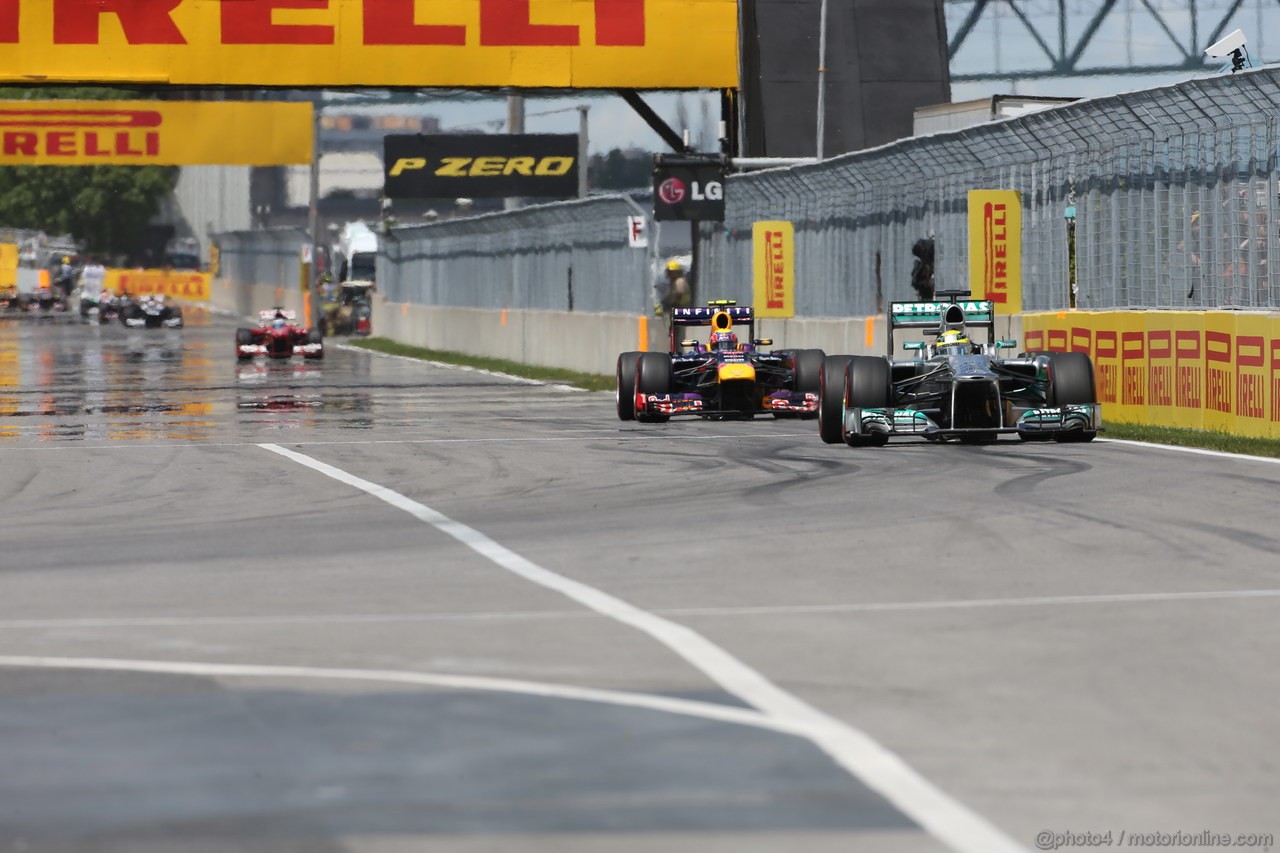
[995,248]
[774,269]
[154,133]
[637,44]
[688,189]
[478,166]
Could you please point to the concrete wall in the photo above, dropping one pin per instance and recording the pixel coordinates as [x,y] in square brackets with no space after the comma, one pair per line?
[246,299]
[591,342]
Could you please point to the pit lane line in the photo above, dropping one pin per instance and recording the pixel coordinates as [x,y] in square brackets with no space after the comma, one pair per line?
[943,817]
[727,612]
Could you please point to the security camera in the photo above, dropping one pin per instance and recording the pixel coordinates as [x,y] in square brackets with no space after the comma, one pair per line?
[1227,46]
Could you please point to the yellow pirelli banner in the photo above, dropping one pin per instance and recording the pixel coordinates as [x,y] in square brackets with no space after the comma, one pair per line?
[1212,370]
[774,269]
[185,286]
[154,133]
[655,44]
[8,265]
[995,248]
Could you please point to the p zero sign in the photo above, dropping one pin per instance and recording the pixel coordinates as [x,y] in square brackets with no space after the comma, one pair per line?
[688,189]
[639,44]
[474,166]
[154,133]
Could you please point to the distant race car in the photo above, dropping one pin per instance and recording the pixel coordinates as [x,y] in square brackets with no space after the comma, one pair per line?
[278,335]
[955,388]
[149,312]
[724,378]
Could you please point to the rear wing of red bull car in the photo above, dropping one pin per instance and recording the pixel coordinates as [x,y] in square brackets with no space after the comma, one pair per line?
[721,316]
[951,310]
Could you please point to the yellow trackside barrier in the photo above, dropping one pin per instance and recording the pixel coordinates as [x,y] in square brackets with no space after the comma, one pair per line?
[186,286]
[1214,370]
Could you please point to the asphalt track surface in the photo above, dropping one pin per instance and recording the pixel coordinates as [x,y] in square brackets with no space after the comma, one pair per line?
[373,604]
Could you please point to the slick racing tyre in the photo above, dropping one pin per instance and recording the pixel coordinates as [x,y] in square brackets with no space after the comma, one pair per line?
[868,385]
[1071,383]
[653,376]
[244,337]
[315,336]
[624,393]
[809,373]
[831,397]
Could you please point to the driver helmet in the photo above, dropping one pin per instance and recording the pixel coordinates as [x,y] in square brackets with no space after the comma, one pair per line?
[278,322]
[953,342]
[724,341]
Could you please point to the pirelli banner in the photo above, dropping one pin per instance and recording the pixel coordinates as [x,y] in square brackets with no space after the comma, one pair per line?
[476,166]
[596,44]
[774,279]
[995,248]
[154,133]
[1213,370]
[184,286]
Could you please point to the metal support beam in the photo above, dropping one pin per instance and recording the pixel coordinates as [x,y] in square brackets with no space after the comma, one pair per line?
[660,127]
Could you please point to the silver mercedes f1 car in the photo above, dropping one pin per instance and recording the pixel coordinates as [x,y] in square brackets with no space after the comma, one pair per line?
[955,388]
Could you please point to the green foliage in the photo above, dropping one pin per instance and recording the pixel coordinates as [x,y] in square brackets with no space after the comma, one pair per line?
[1207,439]
[621,170]
[107,208]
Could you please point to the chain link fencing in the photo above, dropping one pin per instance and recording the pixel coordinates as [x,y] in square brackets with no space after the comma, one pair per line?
[1164,198]
[268,257]
[572,256]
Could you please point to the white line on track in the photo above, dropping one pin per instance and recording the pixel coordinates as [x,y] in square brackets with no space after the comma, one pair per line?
[647,701]
[535,615]
[1198,451]
[951,822]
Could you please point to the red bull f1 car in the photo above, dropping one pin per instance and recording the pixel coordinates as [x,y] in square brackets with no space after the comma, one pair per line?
[726,377]
[278,335]
[955,388]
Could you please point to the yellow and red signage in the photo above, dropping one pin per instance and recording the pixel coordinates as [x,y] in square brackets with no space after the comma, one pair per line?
[1214,370]
[995,248]
[186,286]
[774,269]
[678,44]
[154,133]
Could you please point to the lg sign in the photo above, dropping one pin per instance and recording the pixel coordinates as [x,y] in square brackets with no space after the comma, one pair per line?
[688,189]
[673,191]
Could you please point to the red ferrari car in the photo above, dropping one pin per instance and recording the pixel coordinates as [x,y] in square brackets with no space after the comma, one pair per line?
[278,335]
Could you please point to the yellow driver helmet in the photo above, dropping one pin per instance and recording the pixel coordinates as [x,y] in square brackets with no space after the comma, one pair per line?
[953,342]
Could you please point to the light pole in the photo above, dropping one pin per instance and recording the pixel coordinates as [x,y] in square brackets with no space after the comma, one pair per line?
[312,293]
[822,78]
[583,151]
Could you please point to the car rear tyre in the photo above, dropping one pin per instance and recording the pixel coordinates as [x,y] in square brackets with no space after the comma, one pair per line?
[831,397]
[624,393]
[809,373]
[653,377]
